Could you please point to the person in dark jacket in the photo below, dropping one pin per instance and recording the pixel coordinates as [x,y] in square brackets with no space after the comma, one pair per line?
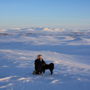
[39,63]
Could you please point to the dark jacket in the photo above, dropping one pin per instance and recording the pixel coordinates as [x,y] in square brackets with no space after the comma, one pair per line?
[39,64]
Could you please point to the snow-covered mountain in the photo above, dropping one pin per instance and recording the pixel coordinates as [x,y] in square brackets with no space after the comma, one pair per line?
[68,49]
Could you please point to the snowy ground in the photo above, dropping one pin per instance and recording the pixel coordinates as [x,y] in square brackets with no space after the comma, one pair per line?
[69,50]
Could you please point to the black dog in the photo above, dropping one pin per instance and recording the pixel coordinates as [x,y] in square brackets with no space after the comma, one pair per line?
[48,66]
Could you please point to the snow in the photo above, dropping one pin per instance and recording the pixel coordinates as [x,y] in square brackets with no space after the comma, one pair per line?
[69,50]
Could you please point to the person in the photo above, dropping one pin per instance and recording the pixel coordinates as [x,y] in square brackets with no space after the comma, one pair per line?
[39,63]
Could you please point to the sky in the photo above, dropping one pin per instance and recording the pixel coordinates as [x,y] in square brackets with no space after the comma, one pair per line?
[62,13]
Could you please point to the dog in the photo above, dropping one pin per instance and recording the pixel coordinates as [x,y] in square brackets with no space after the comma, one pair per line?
[48,66]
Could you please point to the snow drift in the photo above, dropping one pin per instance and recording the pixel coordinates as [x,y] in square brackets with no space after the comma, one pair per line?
[68,49]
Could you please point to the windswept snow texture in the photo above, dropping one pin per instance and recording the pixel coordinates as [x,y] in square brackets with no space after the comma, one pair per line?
[69,50]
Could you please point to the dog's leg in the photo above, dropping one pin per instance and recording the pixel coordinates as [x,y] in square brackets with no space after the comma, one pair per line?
[43,70]
[51,71]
